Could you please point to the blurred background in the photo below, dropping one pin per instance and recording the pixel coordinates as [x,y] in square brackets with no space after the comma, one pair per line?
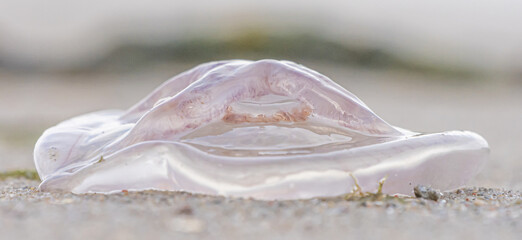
[427,66]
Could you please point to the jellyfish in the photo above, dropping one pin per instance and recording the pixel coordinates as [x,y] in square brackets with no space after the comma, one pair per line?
[267,129]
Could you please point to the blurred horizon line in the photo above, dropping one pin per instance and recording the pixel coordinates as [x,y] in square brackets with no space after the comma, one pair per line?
[479,37]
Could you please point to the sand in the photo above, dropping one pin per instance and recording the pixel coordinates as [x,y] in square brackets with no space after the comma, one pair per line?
[469,213]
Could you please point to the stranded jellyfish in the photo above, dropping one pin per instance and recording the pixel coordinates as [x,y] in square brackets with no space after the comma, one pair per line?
[263,129]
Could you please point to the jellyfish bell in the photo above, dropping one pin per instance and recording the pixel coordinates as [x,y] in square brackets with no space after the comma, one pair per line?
[264,129]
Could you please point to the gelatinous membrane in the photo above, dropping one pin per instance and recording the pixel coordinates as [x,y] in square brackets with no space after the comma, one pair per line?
[267,129]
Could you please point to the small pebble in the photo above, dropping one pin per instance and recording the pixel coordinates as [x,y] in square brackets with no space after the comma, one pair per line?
[425,192]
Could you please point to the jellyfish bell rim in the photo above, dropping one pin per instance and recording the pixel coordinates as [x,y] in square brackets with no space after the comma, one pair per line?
[398,173]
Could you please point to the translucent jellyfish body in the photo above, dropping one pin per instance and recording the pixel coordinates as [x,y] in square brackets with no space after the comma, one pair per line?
[266,129]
